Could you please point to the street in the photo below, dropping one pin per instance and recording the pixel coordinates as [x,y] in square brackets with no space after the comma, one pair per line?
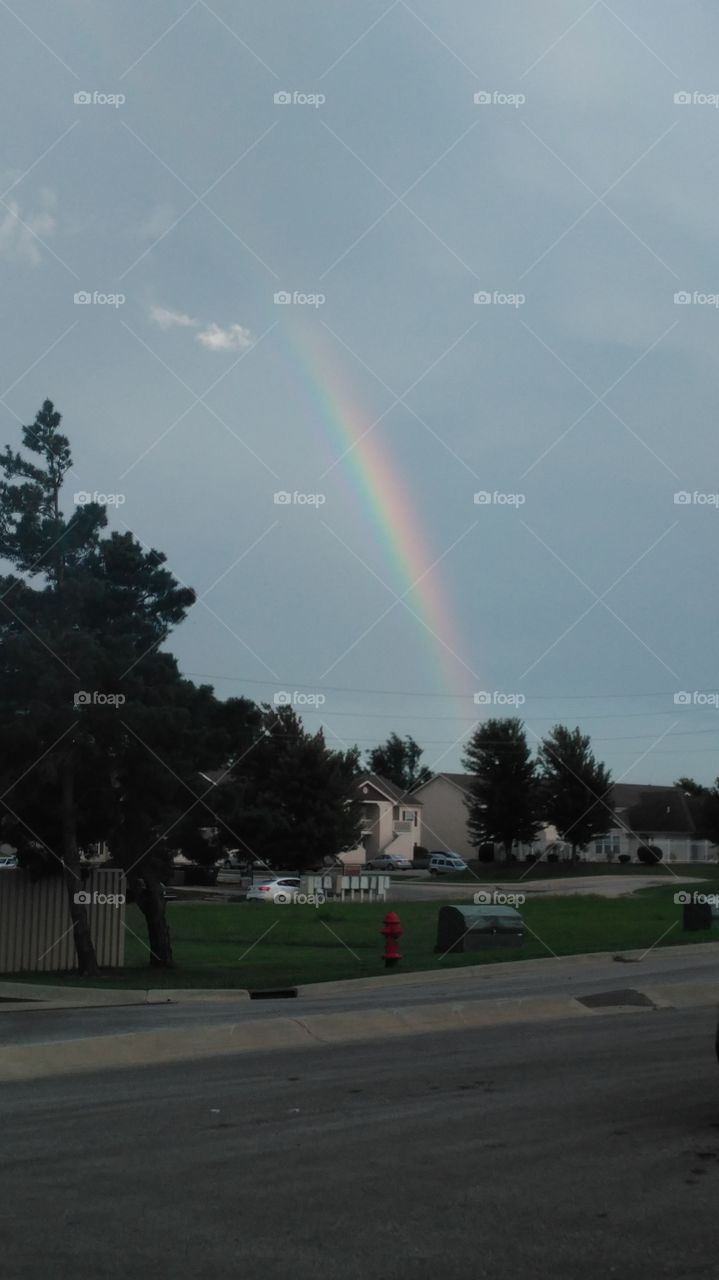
[551,1151]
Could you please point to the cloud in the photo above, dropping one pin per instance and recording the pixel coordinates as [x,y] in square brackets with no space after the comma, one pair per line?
[19,231]
[166,318]
[234,338]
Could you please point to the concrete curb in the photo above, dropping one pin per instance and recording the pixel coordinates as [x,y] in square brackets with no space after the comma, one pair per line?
[153,1048]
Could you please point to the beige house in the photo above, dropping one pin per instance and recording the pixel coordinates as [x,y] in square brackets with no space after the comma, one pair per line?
[391,821]
[444,818]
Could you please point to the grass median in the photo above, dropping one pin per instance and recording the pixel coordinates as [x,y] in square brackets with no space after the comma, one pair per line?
[262,947]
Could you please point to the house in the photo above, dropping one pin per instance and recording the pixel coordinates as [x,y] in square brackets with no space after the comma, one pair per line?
[444,815]
[638,814]
[656,815]
[391,820]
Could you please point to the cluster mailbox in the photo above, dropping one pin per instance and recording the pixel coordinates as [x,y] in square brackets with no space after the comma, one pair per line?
[477,928]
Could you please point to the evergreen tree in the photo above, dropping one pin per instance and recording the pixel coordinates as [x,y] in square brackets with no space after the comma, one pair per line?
[574,787]
[503,803]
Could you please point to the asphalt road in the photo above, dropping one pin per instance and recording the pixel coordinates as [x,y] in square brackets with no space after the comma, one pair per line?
[556,1151]
[567,976]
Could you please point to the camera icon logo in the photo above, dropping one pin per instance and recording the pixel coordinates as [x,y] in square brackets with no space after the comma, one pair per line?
[82,299]
[282,498]
[682,699]
[82,699]
[83,898]
[283,298]
[682,298]
[82,498]
[682,99]
[482,898]
[682,498]
[682,898]
[482,299]
[282,699]
[82,98]
[482,98]
[483,698]
[483,498]
[282,98]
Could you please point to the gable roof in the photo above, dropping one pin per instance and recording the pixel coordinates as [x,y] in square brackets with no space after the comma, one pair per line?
[460,780]
[387,789]
[652,808]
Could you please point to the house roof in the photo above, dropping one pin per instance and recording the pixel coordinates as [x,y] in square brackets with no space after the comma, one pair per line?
[460,780]
[653,808]
[387,788]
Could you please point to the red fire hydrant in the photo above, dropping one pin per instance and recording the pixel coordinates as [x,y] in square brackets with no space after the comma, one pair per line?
[391,931]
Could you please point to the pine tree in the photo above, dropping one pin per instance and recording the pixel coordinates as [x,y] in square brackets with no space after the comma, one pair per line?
[574,787]
[503,800]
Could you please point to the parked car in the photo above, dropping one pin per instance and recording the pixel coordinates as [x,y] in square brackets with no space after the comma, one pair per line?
[441,863]
[8,861]
[389,862]
[281,890]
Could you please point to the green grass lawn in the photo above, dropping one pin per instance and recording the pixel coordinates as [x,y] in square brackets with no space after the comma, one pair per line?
[262,947]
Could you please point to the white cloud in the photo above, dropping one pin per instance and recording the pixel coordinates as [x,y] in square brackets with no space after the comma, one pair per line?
[168,319]
[234,338]
[19,231]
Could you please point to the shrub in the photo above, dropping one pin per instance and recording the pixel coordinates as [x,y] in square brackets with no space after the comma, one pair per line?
[624,857]
[649,854]
[552,857]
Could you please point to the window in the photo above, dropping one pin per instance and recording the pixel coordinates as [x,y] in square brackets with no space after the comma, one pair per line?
[409,815]
[608,846]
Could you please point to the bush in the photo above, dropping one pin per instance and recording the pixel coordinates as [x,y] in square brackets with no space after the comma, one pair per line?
[485,853]
[649,854]
[624,857]
[552,857]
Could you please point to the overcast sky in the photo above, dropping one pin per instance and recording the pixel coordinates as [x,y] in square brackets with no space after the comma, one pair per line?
[576,194]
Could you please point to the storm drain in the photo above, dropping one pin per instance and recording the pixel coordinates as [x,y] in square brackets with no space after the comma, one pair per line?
[613,999]
[282,993]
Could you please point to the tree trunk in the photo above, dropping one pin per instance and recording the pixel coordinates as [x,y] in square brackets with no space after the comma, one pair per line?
[84,946]
[150,900]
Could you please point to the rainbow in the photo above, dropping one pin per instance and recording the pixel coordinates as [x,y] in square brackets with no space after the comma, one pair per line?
[359,454]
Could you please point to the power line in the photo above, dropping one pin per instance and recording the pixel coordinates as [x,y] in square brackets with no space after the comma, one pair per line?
[423,693]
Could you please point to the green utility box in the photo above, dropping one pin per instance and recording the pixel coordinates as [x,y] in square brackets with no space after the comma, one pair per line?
[477,928]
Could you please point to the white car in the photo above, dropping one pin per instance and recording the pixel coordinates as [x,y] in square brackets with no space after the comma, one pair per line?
[441,863]
[282,890]
[8,861]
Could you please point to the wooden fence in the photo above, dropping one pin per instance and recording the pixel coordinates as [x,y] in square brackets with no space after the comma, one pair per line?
[35,925]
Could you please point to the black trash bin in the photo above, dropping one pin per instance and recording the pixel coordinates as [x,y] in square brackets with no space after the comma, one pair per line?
[699,915]
[477,928]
